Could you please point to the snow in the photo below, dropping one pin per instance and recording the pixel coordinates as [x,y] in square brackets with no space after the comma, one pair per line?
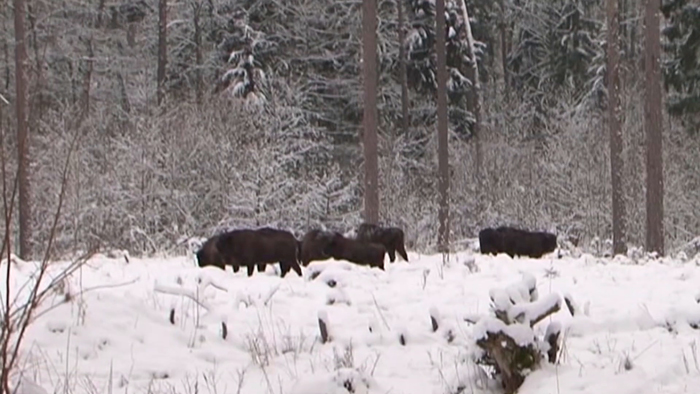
[529,313]
[522,334]
[114,334]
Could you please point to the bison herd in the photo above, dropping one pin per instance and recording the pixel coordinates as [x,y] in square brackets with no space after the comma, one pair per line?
[253,248]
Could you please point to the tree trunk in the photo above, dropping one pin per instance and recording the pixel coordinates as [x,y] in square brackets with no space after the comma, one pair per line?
[443,153]
[100,14]
[25,221]
[653,128]
[502,25]
[162,47]
[87,81]
[370,75]
[197,9]
[476,88]
[405,121]
[619,219]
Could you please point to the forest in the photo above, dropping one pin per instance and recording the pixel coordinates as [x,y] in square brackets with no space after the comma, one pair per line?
[146,121]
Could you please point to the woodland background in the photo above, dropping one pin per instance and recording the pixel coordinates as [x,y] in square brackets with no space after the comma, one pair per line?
[258,119]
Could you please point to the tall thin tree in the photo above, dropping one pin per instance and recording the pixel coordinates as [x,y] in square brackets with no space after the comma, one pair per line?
[162,48]
[22,131]
[403,80]
[443,163]
[196,17]
[619,217]
[654,130]
[370,76]
[476,90]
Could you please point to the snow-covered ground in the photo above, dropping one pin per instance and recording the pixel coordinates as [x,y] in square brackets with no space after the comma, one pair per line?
[117,338]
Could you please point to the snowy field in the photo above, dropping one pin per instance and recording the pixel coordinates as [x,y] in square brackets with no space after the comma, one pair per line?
[116,337]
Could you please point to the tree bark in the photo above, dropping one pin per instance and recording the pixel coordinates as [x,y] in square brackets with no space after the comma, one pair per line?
[197,12]
[162,47]
[619,217]
[502,28]
[405,120]
[370,76]
[22,131]
[443,153]
[100,14]
[87,81]
[476,89]
[653,127]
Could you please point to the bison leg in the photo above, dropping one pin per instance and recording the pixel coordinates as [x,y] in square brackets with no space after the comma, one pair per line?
[261,267]
[295,266]
[392,254]
[235,267]
[284,268]
[402,252]
[251,269]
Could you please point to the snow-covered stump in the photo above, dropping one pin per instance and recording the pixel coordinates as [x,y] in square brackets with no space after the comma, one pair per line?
[224,330]
[551,336]
[510,349]
[323,326]
[434,318]
[508,340]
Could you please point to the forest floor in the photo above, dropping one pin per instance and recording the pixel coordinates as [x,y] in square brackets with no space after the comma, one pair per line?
[114,335]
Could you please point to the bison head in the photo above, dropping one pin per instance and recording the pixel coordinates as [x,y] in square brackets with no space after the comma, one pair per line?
[549,242]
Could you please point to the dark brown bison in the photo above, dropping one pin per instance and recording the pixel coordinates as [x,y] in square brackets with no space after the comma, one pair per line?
[516,242]
[390,237]
[354,251]
[313,246]
[255,247]
[208,254]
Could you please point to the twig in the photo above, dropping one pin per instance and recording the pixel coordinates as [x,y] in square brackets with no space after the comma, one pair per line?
[178,291]
[82,292]
[380,313]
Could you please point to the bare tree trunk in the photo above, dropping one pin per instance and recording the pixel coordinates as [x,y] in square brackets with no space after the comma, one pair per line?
[6,51]
[162,47]
[476,110]
[25,231]
[131,30]
[197,12]
[405,121]
[370,76]
[654,132]
[502,25]
[87,82]
[619,219]
[100,14]
[443,153]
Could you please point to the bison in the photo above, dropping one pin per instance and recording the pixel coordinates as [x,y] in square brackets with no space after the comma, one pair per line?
[391,237]
[313,246]
[516,242]
[208,254]
[251,247]
[354,251]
